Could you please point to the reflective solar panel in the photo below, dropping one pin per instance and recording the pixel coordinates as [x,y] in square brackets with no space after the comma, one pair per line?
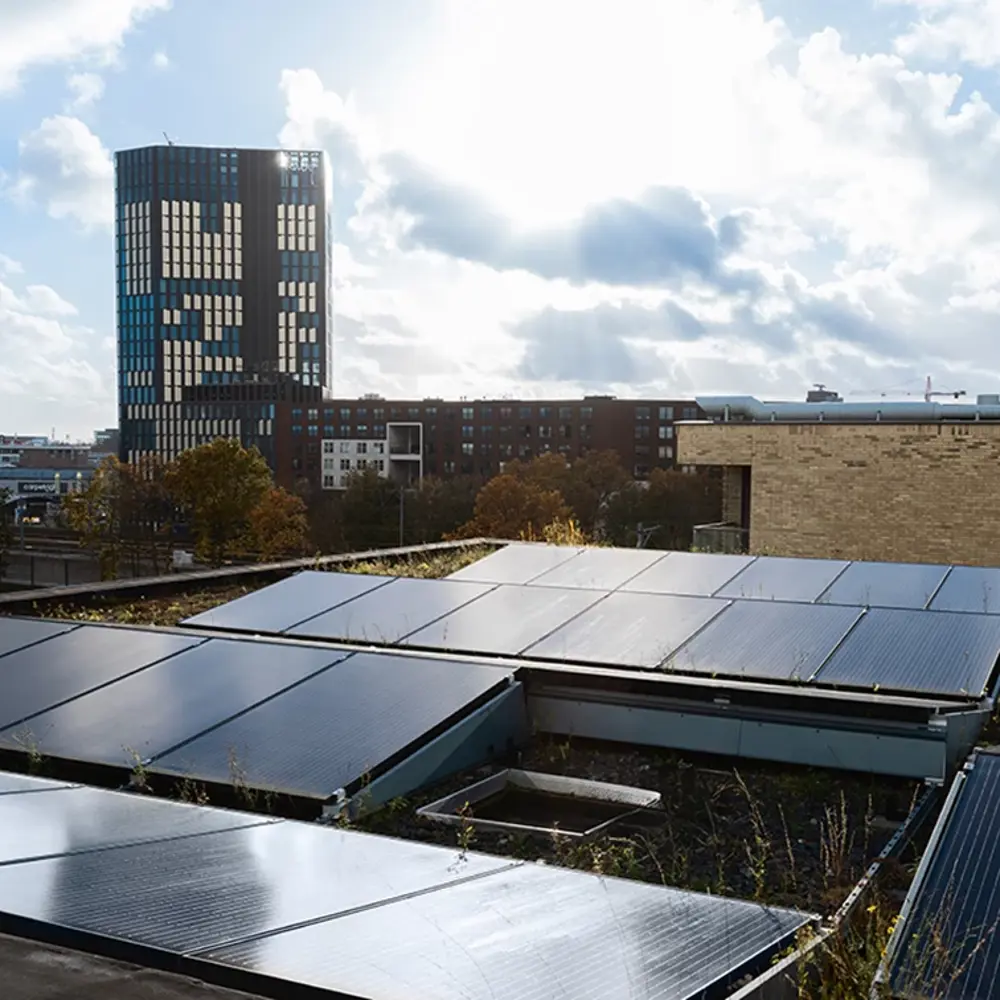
[148,713]
[66,666]
[16,633]
[288,602]
[505,620]
[768,640]
[629,630]
[529,932]
[86,819]
[337,727]
[885,585]
[387,614]
[942,653]
[191,894]
[599,569]
[519,562]
[948,941]
[773,578]
[970,588]
[698,574]
[18,784]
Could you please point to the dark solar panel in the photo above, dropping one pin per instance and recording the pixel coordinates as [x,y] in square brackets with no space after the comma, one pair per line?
[948,943]
[768,640]
[17,784]
[633,630]
[150,712]
[86,819]
[697,574]
[970,588]
[885,585]
[530,932]
[772,578]
[16,633]
[599,569]
[941,653]
[66,666]
[389,613]
[337,727]
[516,563]
[187,895]
[284,604]
[506,620]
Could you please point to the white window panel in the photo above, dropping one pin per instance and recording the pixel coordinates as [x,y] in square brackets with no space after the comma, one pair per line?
[238,272]
[312,336]
[227,272]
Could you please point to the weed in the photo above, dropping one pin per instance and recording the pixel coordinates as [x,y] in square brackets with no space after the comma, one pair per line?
[25,739]
[466,829]
[191,791]
[140,773]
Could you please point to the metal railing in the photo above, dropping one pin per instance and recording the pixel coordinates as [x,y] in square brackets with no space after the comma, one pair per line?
[720,537]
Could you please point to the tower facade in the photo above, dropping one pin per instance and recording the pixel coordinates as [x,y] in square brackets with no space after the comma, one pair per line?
[223,292]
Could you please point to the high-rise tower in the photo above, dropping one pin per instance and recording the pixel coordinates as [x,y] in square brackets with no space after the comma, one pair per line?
[223,289]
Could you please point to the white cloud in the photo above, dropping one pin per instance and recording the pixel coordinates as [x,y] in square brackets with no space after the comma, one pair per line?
[85,89]
[161,60]
[43,32]
[969,29]
[65,166]
[9,267]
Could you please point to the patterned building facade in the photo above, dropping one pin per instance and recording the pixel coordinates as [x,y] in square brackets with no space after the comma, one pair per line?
[223,291]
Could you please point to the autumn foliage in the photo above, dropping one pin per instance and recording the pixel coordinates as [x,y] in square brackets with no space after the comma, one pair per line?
[510,507]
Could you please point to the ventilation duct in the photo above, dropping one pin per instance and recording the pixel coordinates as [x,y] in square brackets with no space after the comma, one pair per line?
[751,408]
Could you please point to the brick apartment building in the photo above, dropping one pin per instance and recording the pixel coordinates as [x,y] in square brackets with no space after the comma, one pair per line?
[407,439]
[901,482]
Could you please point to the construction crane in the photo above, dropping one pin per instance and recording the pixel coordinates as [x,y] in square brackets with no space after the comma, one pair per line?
[929,392]
[170,141]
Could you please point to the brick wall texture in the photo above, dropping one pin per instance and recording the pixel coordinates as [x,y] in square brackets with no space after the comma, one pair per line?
[895,492]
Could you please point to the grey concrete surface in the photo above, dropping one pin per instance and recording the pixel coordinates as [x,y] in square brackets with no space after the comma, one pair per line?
[31,971]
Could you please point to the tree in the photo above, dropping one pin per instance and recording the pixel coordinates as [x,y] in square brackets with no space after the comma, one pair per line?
[278,526]
[439,507]
[96,514]
[218,485]
[369,512]
[509,507]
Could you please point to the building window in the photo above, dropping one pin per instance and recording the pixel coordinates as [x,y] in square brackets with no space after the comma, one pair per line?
[565,412]
[524,412]
[468,448]
[329,481]
[378,447]
[566,431]
[345,447]
[641,431]
[345,465]
[524,451]
[666,413]
[586,412]
[431,411]
[413,412]
[505,412]
[362,447]
[544,412]
[690,413]
[378,413]
[642,413]
[468,430]
[449,467]
[345,415]
[640,471]
[544,431]
[666,432]
[468,413]
[313,416]
[526,431]
[665,452]
[362,429]
[486,413]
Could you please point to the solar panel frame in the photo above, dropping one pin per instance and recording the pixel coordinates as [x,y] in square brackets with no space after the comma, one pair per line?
[347,723]
[527,932]
[288,602]
[599,569]
[628,630]
[385,616]
[516,563]
[781,578]
[170,703]
[942,653]
[969,589]
[504,621]
[24,784]
[40,677]
[19,633]
[691,574]
[784,641]
[885,585]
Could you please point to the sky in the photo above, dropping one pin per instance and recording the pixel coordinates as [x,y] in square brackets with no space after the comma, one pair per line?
[537,198]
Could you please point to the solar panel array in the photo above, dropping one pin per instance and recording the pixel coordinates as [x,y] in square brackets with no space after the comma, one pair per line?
[948,939]
[275,906]
[283,717]
[767,619]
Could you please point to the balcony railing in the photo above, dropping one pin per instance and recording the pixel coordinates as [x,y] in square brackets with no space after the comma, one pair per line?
[720,537]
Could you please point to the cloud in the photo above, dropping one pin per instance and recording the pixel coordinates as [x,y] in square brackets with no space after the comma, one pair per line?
[968,29]
[160,61]
[43,32]
[9,267]
[85,89]
[66,167]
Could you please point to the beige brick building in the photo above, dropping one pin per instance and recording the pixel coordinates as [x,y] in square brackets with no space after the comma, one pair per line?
[901,492]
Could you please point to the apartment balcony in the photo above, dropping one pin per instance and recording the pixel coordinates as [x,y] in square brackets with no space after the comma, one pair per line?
[721,537]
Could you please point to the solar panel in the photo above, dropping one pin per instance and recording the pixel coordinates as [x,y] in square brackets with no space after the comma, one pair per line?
[204,891]
[517,563]
[16,633]
[148,713]
[970,588]
[629,630]
[504,621]
[19,784]
[288,602]
[87,819]
[389,613]
[66,666]
[599,569]
[885,585]
[768,640]
[529,932]
[335,728]
[948,941]
[697,574]
[773,578]
[915,651]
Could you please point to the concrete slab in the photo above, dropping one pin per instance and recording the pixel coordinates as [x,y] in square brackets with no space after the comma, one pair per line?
[32,971]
